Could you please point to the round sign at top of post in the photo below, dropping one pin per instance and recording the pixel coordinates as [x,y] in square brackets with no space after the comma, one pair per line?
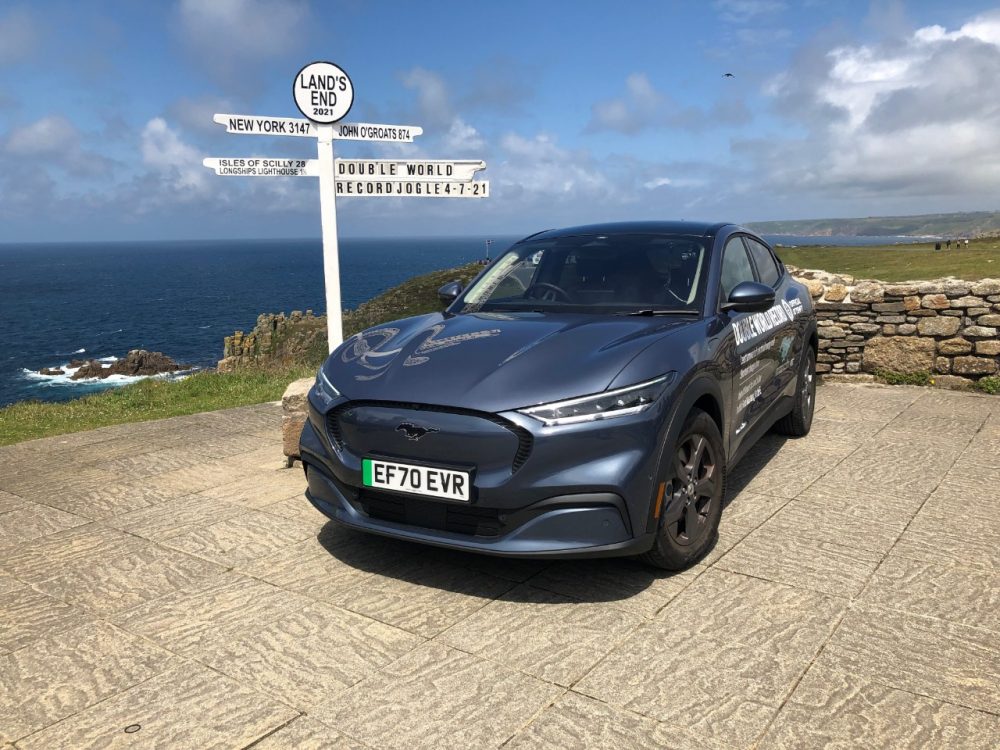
[323,92]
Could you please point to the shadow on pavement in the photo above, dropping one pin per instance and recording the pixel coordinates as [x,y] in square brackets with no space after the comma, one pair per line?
[752,464]
[594,580]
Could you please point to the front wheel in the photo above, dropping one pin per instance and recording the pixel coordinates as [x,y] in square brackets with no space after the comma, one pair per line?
[694,481]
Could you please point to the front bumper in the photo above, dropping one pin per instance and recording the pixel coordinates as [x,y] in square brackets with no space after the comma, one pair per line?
[583,491]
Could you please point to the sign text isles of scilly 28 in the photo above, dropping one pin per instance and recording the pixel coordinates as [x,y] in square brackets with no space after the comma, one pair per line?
[324,93]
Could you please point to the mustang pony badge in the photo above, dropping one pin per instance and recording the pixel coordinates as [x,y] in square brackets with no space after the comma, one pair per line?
[414,432]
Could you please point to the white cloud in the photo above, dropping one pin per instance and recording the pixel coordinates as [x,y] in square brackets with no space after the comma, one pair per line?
[433,99]
[176,163]
[19,36]
[462,139]
[54,141]
[196,114]
[234,38]
[537,166]
[911,117]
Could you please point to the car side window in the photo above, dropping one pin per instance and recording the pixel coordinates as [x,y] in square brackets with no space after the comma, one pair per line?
[767,268]
[736,266]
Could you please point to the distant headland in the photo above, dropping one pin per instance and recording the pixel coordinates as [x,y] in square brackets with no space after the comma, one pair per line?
[965,224]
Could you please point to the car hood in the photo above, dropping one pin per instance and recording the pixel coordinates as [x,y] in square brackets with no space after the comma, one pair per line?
[492,361]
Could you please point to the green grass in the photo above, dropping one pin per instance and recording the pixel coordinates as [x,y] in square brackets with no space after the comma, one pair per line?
[989,384]
[904,378]
[147,399]
[981,259]
[417,296]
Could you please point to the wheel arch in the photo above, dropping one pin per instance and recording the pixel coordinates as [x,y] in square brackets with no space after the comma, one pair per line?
[702,392]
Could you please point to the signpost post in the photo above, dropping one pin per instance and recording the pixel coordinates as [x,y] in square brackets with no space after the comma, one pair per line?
[324,93]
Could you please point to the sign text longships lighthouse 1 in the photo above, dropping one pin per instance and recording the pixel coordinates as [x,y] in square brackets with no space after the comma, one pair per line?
[324,93]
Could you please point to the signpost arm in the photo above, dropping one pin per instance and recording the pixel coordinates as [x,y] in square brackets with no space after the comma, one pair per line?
[328,217]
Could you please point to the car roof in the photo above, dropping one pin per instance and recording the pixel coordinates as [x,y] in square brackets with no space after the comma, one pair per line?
[696,228]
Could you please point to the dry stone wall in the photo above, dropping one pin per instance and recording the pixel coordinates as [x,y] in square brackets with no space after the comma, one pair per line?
[947,327]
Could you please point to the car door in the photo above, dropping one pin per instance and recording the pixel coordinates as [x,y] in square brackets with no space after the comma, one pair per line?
[753,363]
[787,340]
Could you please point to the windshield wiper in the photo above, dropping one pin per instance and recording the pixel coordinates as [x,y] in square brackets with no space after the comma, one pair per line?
[651,312]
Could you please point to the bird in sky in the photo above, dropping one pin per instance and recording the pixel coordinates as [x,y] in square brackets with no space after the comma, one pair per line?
[728,75]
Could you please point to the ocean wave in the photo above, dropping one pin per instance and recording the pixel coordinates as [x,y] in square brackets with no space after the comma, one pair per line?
[81,350]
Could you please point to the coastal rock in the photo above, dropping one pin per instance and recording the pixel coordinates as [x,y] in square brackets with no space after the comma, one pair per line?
[136,363]
[51,371]
[90,369]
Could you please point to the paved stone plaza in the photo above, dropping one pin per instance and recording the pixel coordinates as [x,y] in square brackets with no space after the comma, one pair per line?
[167,585]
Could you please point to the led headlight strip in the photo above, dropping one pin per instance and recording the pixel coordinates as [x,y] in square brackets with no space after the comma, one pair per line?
[607,405]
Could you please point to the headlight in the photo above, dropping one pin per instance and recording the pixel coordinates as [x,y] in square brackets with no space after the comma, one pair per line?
[325,389]
[617,403]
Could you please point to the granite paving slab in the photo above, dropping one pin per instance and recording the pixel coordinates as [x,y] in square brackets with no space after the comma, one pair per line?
[58,676]
[721,657]
[840,711]
[188,706]
[169,576]
[568,637]
[924,655]
[440,697]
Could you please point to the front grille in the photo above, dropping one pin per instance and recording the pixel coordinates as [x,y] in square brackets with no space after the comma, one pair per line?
[458,519]
[524,438]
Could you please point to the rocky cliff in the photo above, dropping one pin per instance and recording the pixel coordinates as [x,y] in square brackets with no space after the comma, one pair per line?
[300,338]
[277,340]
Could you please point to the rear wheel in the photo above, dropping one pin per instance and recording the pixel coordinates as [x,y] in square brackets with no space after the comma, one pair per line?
[798,421]
[694,477]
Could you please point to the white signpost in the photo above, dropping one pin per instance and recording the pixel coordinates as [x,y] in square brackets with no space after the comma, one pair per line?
[324,93]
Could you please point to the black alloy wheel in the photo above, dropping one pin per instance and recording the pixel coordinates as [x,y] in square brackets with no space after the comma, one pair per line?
[693,473]
[693,489]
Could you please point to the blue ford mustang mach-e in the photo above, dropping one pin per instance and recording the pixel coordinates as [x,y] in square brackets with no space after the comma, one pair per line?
[584,396]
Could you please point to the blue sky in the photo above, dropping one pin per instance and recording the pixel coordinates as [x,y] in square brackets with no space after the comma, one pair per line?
[584,111]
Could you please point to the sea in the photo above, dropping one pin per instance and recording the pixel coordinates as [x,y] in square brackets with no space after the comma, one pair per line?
[65,301]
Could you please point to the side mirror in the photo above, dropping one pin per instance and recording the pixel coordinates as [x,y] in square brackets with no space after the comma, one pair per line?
[449,292]
[749,296]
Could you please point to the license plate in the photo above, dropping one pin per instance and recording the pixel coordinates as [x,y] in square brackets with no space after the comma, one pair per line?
[416,480]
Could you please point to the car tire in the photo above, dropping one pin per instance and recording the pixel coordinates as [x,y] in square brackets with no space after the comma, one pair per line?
[694,477]
[799,420]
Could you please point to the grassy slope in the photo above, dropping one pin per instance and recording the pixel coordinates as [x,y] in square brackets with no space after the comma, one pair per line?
[206,391]
[901,262]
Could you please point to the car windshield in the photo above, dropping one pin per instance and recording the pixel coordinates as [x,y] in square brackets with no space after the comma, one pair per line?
[614,274]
